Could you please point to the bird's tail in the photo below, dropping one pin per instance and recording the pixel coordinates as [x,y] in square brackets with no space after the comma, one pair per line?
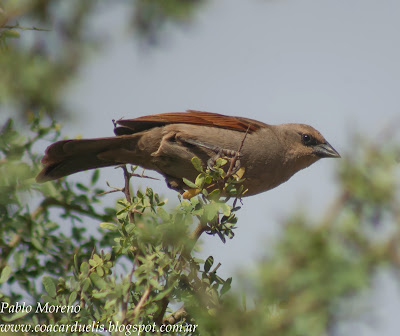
[67,157]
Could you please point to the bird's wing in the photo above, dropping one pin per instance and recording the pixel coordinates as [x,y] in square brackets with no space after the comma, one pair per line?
[130,126]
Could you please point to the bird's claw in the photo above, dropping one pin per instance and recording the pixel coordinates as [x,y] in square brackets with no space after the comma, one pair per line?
[230,154]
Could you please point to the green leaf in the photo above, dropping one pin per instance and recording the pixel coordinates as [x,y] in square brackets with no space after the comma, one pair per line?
[49,285]
[82,187]
[210,211]
[36,243]
[72,298]
[226,286]
[189,183]
[16,316]
[200,180]
[214,195]
[50,300]
[226,209]
[100,295]
[5,274]
[109,226]
[85,267]
[197,164]
[100,271]
[95,176]
[163,294]
[98,281]
[221,162]
[85,285]
[209,262]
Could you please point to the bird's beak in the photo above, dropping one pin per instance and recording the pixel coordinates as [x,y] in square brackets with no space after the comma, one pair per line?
[325,150]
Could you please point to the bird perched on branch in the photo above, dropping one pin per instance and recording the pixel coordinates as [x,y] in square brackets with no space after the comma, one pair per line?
[166,143]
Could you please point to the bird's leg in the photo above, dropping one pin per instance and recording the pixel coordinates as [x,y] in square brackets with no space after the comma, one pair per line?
[220,152]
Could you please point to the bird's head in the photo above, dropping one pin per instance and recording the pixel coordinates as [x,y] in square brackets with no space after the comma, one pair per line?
[305,145]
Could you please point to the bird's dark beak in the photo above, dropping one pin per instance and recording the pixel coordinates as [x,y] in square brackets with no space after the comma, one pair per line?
[325,150]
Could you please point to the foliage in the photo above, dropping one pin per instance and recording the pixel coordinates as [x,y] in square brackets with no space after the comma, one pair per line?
[153,246]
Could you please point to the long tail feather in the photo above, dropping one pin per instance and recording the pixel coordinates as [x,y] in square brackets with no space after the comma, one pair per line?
[71,156]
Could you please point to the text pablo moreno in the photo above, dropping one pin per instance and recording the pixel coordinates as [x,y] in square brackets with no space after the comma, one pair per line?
[40,308]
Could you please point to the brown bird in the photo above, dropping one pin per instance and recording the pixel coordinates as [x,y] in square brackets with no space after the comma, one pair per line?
[167,142]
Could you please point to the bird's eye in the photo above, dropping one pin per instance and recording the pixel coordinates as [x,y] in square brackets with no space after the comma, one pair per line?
[307,139]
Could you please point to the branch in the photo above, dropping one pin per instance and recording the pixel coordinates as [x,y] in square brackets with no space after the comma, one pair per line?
[176,317]
[164,304]
[17,26]
[237,155]
[200,228]
[142,300]
[51,201]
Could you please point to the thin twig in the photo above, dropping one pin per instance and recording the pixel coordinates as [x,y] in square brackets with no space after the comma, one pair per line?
[126,302]
[237,154]
[216,268]
[114,189]
[53,202]
[142,300]
[144,176]
[17,26]
[126,189]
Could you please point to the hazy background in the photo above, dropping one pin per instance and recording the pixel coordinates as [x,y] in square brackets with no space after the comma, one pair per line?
[331,64]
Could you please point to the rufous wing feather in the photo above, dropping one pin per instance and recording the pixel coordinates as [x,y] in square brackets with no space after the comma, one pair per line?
[130,126]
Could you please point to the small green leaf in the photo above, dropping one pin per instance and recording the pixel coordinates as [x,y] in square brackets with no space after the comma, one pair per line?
[85,285]
[95,176]
[36,243]
[5,274]
[100,271]
[49,285]
[200,180]
[226,209]
[97,259]
[85,267]
[72,298]
[16,316]
[82,187]
[98,281]
[221,162]
[99,295]
[196,162]
[110,303]
[50,300]
[189,183]
[109,226]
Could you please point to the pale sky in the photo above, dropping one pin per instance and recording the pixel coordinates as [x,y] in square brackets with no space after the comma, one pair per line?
[331,64]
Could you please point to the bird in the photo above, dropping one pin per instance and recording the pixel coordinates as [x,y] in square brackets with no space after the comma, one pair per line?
[167,142]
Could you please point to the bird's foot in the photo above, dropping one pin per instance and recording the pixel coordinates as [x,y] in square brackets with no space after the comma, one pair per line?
[232,155]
